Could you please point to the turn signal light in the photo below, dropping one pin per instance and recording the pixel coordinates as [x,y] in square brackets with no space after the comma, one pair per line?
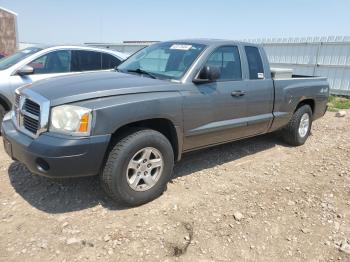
[84,123]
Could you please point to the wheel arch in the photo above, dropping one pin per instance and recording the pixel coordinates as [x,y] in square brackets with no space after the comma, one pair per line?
[306,101]
[162,125]
[5,103]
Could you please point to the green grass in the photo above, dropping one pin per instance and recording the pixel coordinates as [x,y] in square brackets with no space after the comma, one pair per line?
[337,102]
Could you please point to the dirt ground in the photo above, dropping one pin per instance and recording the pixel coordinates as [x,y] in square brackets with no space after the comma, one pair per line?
[253,200]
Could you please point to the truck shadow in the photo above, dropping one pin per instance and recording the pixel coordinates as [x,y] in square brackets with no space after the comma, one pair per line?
[218,155]
[58,196]
[67,195]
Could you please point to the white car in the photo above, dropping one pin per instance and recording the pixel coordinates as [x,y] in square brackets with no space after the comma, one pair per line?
[37,63]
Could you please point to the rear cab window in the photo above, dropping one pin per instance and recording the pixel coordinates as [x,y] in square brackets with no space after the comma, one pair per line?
[255,64]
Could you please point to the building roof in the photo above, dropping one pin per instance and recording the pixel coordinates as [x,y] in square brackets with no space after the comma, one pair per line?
[8,11]
[140,42]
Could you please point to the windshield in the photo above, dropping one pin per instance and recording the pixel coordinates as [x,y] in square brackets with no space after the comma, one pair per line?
[169,60]
[18,56]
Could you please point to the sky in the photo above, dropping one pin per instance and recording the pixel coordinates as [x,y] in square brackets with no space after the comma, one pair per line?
[81,21]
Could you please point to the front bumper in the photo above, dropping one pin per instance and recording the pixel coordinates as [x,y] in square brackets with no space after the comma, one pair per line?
[55,155]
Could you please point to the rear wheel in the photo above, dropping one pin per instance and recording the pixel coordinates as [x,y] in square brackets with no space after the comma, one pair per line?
[138,167]
[298,129]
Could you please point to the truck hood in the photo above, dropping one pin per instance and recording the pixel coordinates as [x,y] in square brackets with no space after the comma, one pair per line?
[84,86]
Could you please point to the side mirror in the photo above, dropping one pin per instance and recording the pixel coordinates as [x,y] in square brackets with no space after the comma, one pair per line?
[207,74]
[25,70]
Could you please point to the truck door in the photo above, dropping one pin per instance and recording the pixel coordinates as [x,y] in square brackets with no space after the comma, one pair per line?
[215,112]
[259,93]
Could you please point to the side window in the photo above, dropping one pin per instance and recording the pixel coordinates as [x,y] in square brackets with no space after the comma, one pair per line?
[256,69]
[227,59]
[54,62]
[109,61]
[86,61]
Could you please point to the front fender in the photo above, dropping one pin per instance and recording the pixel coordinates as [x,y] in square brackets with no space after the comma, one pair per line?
[111,113]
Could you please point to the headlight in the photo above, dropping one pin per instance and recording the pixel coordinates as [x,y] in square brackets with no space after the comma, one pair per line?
[72,120]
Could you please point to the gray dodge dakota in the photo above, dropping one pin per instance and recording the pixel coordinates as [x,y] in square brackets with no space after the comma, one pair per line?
[130,125]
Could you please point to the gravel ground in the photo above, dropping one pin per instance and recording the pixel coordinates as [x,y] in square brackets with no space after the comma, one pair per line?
[253,200]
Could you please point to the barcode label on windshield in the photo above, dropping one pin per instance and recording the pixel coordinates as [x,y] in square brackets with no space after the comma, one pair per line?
[181,47]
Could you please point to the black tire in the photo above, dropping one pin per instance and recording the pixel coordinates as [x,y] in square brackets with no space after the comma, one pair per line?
[290,133]
[2,114]
[113,176]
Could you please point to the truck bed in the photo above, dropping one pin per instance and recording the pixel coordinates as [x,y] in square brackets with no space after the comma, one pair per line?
[289,92]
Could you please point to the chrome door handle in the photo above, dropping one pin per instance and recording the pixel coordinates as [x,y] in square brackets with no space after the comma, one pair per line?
[238,93]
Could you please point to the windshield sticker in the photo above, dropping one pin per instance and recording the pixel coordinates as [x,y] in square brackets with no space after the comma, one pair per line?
[26,51]
[181,47]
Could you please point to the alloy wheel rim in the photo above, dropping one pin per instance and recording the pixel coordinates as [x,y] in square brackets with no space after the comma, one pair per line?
[304,125]
[144,169]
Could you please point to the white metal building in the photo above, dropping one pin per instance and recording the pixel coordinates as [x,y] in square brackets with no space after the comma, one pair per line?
[313,56]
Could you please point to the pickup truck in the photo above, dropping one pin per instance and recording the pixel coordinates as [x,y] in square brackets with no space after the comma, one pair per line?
[130,125]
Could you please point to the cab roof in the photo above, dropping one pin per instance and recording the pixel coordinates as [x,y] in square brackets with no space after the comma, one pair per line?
[209,41]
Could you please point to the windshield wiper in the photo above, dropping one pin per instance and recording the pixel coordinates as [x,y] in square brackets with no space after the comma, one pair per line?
[141,71]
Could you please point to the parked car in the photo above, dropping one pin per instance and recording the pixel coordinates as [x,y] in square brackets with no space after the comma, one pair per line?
[130,125]
[37,63]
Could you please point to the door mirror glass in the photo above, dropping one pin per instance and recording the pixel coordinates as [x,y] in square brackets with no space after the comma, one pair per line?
[207,74]
[25,70]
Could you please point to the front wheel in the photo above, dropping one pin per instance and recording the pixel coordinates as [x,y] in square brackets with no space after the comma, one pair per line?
[298,129]
[138,167]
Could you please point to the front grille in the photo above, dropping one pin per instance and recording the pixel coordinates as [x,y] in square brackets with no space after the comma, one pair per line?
[31,122]
[31,113]
[32,125]
[27,114]
[31,107]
